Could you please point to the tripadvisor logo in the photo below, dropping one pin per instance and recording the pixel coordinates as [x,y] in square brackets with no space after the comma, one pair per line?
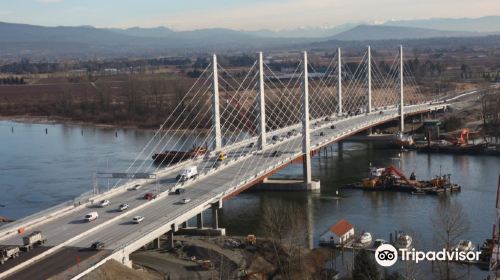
[386,255]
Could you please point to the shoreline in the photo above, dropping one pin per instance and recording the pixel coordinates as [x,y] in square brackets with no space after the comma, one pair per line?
[27,119]
[62,120]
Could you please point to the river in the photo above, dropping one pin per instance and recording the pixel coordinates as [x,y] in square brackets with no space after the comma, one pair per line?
[40,168]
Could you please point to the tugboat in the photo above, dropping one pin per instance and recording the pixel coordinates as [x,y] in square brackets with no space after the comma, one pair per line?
[172,157]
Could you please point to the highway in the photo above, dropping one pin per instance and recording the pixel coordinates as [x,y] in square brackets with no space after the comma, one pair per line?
[244,165]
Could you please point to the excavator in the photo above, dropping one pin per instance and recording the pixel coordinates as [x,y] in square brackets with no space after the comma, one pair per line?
[389,175]
[463,138]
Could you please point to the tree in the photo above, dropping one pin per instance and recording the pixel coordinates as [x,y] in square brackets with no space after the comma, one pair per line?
[285,224]
[365,267]
[450,223]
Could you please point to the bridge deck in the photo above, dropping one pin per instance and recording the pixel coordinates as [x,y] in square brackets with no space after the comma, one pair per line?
[115,228]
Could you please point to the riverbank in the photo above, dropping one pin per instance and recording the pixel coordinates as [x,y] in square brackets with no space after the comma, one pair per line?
[196,257]
[51,120]
[54,120]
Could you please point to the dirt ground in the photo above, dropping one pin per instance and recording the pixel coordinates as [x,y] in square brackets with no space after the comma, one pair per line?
[114,270]
[221,258]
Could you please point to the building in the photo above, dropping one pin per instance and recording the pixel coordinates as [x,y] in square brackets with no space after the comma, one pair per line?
[339,233]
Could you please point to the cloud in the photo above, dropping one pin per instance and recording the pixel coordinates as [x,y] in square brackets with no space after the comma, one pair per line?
[50,1]
[302,13]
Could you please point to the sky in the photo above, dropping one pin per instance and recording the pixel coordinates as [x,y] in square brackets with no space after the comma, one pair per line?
[235,14]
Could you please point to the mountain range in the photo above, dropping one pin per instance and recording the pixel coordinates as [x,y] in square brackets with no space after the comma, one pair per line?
[23,40]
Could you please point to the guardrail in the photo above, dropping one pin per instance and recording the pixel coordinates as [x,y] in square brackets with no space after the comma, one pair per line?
[155,226]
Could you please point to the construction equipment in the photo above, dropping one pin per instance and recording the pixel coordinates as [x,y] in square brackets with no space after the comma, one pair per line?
[394,171]
[387,176]
[206,265]
[251,239]
[221,156]
[463,138]
[441,181]
[8,252]
[32,239]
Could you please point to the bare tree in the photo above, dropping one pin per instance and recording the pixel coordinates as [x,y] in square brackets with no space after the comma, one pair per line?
[450,223]
[285,224]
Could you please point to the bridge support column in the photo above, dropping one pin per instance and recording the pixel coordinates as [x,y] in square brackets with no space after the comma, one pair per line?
[401,92]
[156,243]
[184,225]
[306,137]
[199,220]
[215,107]
[339,82]
[170,237]
[215,217]
[261,105]
[369,105]
[126,260]
[170,240]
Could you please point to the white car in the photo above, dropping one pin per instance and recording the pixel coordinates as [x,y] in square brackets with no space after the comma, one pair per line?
[137,219]
[91,216]
[136,187]
[186,200]
[104,203]
[123,207]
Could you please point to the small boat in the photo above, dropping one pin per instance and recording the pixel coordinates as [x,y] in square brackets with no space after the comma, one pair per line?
[403,241]
[464,246]
[418,192]
[379,242]
[365,238]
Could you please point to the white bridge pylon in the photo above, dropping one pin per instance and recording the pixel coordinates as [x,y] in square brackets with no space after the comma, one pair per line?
[239,112]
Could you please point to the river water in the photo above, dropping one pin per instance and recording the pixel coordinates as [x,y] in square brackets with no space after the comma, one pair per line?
[40,168]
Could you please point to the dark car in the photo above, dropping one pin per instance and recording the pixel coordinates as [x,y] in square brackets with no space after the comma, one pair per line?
[321,134]
[149,196]
[332,127]
[180,190]
[276,154]
[97,245]
[277,138]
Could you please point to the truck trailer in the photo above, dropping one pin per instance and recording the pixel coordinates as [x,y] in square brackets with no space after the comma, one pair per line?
[8,252]
[32,239]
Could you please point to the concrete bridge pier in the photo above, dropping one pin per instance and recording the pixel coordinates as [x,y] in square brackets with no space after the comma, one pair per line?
[125,259]
[199,220]
[156,243]
[199,229]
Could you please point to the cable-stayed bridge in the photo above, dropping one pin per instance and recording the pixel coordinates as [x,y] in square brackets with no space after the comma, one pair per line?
[261,119]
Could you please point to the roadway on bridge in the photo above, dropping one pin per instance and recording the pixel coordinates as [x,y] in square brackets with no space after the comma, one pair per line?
[203,192]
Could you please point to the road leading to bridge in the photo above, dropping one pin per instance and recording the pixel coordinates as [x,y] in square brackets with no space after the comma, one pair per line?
[244,165]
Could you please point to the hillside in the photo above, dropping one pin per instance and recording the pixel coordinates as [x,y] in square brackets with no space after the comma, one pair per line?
[489,24]
[382,32]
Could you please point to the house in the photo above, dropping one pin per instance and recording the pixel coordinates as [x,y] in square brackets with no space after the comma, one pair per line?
[339,233]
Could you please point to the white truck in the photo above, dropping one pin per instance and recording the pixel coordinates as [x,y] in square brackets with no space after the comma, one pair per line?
[188,173]
[32,239]
[8,252]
